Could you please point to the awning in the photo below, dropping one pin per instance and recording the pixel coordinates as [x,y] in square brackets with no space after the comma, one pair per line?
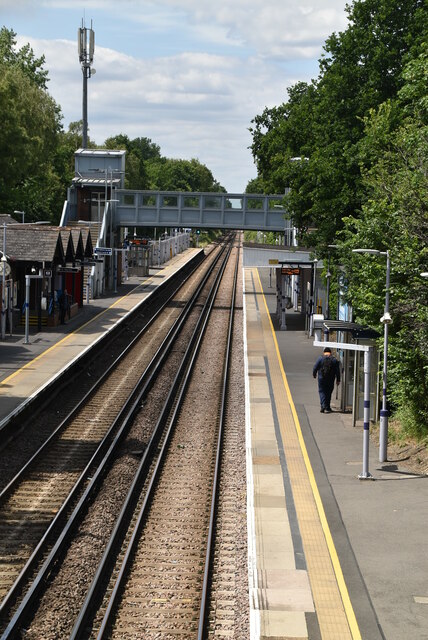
[96,182]
[358,331]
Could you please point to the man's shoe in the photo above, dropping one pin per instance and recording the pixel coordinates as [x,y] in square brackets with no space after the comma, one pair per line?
[328,411]
[321,410]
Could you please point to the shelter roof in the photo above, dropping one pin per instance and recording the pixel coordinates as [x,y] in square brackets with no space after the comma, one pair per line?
[32,243]
[96,182]
[79,248]
[358,331]
[6,218]
[100,153]
[68,243]
[87,241]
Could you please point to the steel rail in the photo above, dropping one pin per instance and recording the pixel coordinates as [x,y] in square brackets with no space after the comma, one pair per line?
[132,406]
[166,422]
[6,491]
[41,399]
[99,457]
[217,470]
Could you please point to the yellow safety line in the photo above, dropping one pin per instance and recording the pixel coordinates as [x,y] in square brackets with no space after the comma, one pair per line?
[68,336]
[350,614]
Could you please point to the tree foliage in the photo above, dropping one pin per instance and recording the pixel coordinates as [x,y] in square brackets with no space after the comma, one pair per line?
[324,120]
[352,146]
[170,174]
[29,132]
[140,151]
[394,217]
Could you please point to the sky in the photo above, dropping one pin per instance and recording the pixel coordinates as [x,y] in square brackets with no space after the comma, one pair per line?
[188,74]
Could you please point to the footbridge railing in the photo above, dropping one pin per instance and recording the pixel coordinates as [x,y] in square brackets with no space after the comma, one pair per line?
[202,210]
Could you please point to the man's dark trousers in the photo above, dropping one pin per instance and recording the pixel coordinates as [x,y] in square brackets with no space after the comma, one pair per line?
[325,389]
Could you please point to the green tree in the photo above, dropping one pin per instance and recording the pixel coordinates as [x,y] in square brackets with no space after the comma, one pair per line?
[139,152]
[28,140]
[31,124]
[394,217]
[22,59]
[324,121]
[169,174]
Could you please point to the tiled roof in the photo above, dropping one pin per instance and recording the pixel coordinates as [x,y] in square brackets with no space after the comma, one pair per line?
[87,241]
[32,243]
[79,247]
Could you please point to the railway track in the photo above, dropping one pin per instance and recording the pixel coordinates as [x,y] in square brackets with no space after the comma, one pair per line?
[74,444]
[159,586]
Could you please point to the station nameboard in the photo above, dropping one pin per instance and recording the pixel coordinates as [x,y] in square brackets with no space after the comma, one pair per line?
[273,260]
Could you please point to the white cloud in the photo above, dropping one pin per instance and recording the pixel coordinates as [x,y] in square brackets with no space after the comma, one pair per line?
[232,61]
[272,25]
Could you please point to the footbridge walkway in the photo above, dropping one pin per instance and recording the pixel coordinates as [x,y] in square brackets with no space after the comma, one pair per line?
[202,210]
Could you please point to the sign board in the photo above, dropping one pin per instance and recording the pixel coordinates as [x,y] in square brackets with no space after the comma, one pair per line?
[68,269]
[4,268]
[287,271]
[273,260]
[103,251]
[139,241]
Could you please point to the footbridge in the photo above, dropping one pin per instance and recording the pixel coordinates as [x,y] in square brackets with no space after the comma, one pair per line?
[199,210]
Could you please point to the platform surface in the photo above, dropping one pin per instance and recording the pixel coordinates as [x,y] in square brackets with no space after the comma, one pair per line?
[331,556]
[26,368]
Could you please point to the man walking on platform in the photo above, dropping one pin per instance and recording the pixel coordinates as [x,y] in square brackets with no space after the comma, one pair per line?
[328,369]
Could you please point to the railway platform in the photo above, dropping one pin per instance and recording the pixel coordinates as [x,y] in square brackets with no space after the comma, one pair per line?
[27,368]
[331,557]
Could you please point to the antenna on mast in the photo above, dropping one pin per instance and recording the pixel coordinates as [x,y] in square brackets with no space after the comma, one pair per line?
[85,48]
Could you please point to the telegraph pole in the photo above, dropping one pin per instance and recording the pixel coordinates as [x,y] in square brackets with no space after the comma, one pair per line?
[86,47]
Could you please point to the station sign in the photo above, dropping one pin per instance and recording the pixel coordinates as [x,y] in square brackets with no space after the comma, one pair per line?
[139,241]
[288,271]
[103,251]
[68,269]
[273,260]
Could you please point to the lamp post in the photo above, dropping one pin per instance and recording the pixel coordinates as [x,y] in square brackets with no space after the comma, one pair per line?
[21,213]
[386,321]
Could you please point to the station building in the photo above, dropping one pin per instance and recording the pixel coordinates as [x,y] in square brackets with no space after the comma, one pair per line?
[54,258]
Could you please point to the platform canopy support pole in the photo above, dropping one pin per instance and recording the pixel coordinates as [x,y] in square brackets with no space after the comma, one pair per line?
[366,475]
[283,326]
